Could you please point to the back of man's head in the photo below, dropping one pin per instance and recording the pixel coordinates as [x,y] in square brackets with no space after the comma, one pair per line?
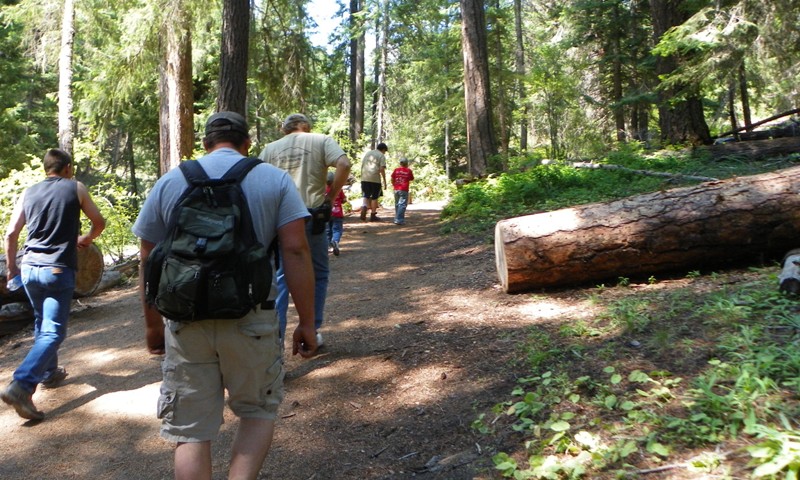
[226,127]
[55,160]
[296,122]
[382,147]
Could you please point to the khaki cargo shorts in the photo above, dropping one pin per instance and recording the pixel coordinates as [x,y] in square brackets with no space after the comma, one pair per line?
[206,358]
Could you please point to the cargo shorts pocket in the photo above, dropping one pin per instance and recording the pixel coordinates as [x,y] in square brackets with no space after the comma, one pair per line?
[167,397]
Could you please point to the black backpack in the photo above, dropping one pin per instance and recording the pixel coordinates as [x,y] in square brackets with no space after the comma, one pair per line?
[210,265]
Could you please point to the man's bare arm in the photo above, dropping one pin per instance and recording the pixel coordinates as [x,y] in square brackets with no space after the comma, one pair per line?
[153,322]
[296,258]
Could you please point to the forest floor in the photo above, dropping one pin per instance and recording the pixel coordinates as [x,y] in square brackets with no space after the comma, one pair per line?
[419,340]
[413,346]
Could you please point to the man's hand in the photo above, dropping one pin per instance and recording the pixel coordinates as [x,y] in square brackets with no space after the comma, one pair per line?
[304,341]
[84,241]
[154,336]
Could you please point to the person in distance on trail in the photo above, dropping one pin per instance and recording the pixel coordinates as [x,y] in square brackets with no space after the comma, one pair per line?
[244,356]
[306,157]
[373,175]
[51,209]
[401,180]
[336,223]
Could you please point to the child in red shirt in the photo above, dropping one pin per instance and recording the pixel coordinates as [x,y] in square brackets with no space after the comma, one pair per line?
[401,180]
[336,223]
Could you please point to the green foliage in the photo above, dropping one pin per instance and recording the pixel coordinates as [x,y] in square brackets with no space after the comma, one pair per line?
[579,420]
[12,187]
[25,110]
[120,208]
[477,206]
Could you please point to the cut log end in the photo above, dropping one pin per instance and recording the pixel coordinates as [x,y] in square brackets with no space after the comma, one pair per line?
[500,257]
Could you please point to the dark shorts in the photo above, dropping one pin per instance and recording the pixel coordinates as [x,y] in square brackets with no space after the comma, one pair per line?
[371,190]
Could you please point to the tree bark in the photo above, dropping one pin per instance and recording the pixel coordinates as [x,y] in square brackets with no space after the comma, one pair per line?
[87,278]
[65,136]
[481,142]
[617,109]
[382,63]
[357,72]
[520,69]
[181,97]
[233,57]
[741,220]
[748,122]
[176,114]
[680,121]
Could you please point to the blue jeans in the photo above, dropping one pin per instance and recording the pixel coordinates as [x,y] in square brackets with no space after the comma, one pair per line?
[400,203]
[335,229]
[319,259]
[50,292]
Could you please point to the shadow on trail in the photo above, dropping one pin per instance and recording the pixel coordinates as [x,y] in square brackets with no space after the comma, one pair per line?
[394,391]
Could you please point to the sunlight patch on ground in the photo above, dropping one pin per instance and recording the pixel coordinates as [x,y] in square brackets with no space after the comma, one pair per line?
[546,309]
[352,370]
[129,403]
[420,386]
[111,362]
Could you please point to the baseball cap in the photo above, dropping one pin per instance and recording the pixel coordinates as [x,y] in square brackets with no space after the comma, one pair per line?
[227,121]
[294,119]
[404,161]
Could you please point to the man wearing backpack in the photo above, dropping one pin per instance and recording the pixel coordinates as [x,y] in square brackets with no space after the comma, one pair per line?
[307,157]
[204,358]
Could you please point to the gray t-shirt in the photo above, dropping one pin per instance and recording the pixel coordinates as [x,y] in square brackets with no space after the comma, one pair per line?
[371,166]
[307,157]
[271,196]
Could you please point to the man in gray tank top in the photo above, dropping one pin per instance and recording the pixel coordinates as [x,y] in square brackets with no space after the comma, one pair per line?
[51,209]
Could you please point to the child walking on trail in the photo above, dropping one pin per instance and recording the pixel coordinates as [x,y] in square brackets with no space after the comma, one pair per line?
[336,223]
[401,178]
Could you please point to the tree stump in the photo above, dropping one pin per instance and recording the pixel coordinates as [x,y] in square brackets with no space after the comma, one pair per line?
[713,224]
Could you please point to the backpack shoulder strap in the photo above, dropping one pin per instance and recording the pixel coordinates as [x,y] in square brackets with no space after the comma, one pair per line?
[241,168]
[193,172]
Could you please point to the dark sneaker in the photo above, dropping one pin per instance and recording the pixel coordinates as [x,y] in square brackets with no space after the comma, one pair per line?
[18,398]
[363,214]
[374,218]
[54,379]
[335,248]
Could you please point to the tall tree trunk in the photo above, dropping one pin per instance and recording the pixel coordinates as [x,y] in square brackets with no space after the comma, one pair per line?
[480,134]
[748,121]
[65,137]
[680,121]
[176,110]
[500,106]
[520,68]
[134,187]
[165,163]
[357,72]
[233,57]
[732,105]
[380,114]
[616,77]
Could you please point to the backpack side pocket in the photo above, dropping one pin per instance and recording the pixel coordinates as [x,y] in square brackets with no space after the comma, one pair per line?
[178,288]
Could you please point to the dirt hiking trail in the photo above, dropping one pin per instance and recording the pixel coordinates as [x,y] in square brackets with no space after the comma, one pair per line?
[418,341]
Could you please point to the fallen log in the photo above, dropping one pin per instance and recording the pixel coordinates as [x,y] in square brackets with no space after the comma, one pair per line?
[752,150]
[726,222]
[649,173]
[14,317]
[87,277]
